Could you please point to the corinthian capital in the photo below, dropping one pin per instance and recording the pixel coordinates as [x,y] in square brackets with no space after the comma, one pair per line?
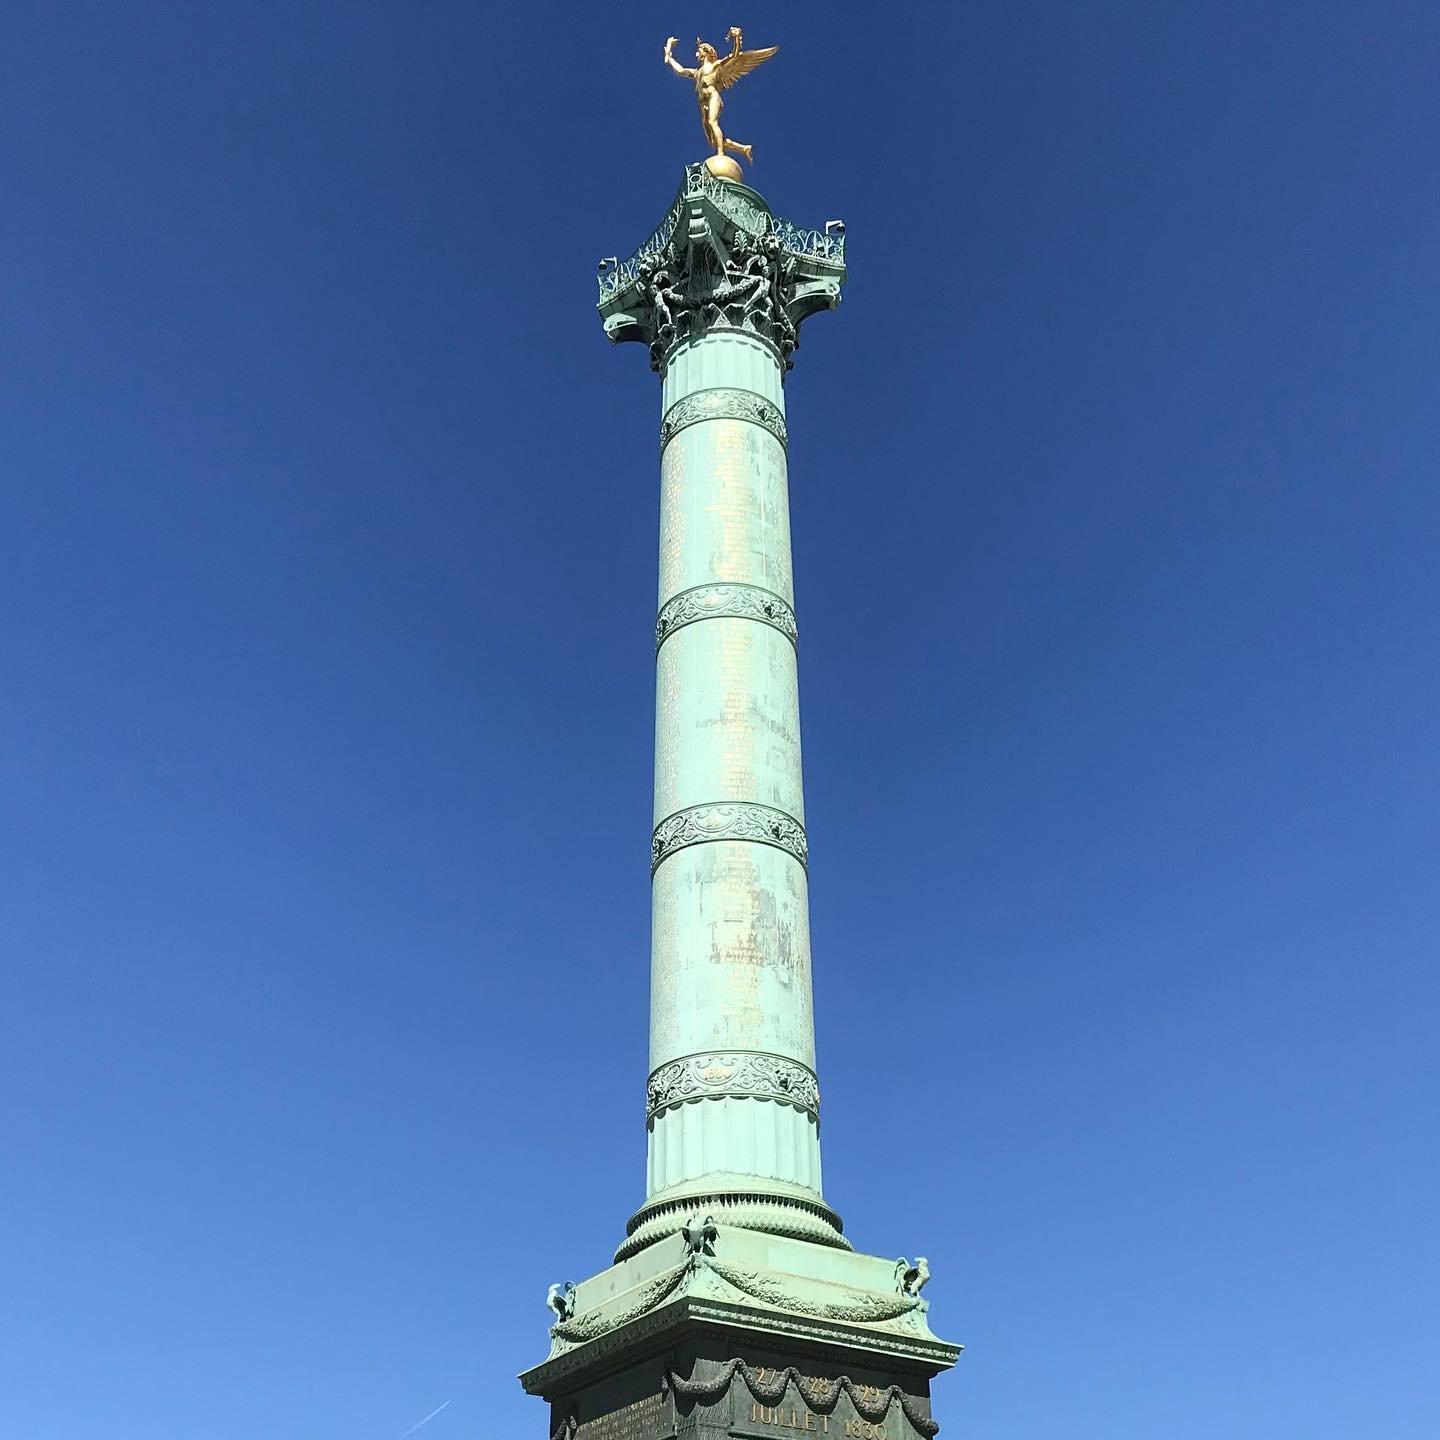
[721,261]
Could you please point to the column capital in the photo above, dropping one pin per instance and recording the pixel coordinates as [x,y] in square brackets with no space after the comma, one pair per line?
[720,260]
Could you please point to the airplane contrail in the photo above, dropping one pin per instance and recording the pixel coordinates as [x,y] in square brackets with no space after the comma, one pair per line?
[425,1421]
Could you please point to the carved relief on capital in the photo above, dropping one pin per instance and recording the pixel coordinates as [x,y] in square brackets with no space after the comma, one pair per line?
[720,260]
[738,1073]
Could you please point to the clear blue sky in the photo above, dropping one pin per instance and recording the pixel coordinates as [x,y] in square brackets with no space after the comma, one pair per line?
[328,583]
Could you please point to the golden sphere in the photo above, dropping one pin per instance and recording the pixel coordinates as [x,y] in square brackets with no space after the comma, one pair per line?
[722,167]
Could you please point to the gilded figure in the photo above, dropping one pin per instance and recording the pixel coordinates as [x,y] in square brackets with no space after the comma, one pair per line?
[713,73]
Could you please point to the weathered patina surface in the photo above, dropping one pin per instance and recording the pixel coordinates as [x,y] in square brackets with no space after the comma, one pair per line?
[735,1305]
[732,1099]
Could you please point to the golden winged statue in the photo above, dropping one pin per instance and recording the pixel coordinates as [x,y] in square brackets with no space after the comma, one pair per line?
[712,74]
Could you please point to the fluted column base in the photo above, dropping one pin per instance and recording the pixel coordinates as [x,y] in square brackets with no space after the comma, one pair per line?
[768,1137]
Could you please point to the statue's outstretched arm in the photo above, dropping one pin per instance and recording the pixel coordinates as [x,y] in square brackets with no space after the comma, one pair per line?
[734,42]
[674,64]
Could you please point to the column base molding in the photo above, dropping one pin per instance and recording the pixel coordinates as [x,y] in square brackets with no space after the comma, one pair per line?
[790,1216]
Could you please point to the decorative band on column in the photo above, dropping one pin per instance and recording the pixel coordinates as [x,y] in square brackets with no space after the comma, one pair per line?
[725,601]
[728,820]
[721,403]
[747,1073]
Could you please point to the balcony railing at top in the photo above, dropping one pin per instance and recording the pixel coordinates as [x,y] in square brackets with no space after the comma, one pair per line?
[814,244]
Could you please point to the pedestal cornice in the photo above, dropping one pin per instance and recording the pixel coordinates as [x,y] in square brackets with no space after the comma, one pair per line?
[835,1300]
[658,1330]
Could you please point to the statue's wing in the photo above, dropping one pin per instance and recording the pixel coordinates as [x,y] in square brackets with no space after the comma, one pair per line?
[732,67]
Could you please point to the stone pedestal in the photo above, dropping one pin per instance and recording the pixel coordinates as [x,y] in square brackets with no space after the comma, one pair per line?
[743,1335]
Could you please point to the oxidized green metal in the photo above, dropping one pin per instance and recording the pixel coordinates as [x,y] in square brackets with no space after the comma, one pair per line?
[734,1265]
[733,1100]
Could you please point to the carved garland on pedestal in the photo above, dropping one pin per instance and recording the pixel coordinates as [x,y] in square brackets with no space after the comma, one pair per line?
[818,1397]
[593,1324]
[732,820]
[738,1073]
[721,403]
[857,1308]
[725,601]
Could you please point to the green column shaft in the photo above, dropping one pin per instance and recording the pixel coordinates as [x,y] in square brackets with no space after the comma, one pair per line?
[717,295]
[733,1095]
